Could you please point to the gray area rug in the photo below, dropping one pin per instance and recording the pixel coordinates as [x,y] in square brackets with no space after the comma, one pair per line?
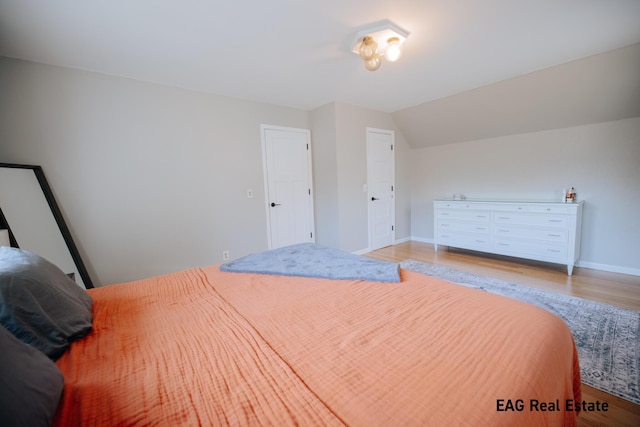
[607,337]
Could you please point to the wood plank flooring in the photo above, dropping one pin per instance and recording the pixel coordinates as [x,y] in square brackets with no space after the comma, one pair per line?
[611,288]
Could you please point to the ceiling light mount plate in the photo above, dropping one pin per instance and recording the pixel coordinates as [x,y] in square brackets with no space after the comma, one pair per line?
[381,32]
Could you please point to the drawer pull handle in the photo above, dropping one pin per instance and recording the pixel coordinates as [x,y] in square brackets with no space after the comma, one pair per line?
[503,244]
[444,214]
[503,217]
[555,220]
[479,241]
[503,231]
[480,228]
[553,235]
[481,216]
[553,250]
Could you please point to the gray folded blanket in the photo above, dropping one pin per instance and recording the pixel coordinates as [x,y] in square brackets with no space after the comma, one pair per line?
[312,260]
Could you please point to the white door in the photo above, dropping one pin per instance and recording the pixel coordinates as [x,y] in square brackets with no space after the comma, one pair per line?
[287,169]
[380,185]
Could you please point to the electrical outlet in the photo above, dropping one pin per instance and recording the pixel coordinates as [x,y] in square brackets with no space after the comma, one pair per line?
[249,194]
[225,255]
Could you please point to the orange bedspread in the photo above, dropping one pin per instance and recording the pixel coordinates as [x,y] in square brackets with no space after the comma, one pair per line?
[204,347]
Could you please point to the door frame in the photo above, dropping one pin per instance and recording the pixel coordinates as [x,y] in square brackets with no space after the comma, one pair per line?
[393,184]
[265,172]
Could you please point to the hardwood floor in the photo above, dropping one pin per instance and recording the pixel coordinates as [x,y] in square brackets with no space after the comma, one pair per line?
[611,288]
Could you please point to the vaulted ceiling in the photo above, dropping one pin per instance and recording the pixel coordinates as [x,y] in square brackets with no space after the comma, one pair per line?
[498,66]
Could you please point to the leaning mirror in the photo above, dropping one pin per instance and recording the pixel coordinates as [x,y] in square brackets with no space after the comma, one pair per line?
[30,219]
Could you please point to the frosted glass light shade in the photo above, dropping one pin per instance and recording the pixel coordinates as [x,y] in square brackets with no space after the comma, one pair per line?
[368,48]
[392,53]
[373,63]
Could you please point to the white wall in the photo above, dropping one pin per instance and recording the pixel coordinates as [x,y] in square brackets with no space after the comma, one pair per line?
[351,124]
[602,161]
[339,133]
[151,179]
[325,175]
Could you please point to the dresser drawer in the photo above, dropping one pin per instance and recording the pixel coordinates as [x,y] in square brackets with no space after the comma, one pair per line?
[463,240]
[462,205]
[554,235]
[512,208]
[549,209]
[470,227]
[471,215]
[555,221]
[540,250]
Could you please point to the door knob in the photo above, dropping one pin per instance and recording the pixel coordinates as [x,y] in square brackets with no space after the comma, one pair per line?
[374,199]
[273,205]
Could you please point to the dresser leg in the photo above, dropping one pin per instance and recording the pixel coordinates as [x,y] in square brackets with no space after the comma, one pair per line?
[569,269]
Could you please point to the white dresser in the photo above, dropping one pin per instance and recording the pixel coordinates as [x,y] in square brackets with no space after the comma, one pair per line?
[543,231]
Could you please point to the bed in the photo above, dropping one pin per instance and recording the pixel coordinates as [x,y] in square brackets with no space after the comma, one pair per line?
[207,346]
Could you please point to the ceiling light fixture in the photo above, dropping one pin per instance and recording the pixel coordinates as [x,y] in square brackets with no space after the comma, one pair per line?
[383,39]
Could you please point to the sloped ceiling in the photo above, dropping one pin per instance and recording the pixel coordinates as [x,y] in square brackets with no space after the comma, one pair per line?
[482,64]
[595,89]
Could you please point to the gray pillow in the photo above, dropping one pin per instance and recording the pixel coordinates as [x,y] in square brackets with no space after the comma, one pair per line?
[30,384]
[40,304]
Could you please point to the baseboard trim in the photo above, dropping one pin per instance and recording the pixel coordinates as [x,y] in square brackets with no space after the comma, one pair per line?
[395,242]
[403,240]
[584,264]
[420,239]
[609,268]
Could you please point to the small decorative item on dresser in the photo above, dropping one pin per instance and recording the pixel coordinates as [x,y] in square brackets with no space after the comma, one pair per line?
[458,197]
[571,196]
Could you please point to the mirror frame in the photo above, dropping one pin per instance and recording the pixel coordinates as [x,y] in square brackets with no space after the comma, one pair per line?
[57,214]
